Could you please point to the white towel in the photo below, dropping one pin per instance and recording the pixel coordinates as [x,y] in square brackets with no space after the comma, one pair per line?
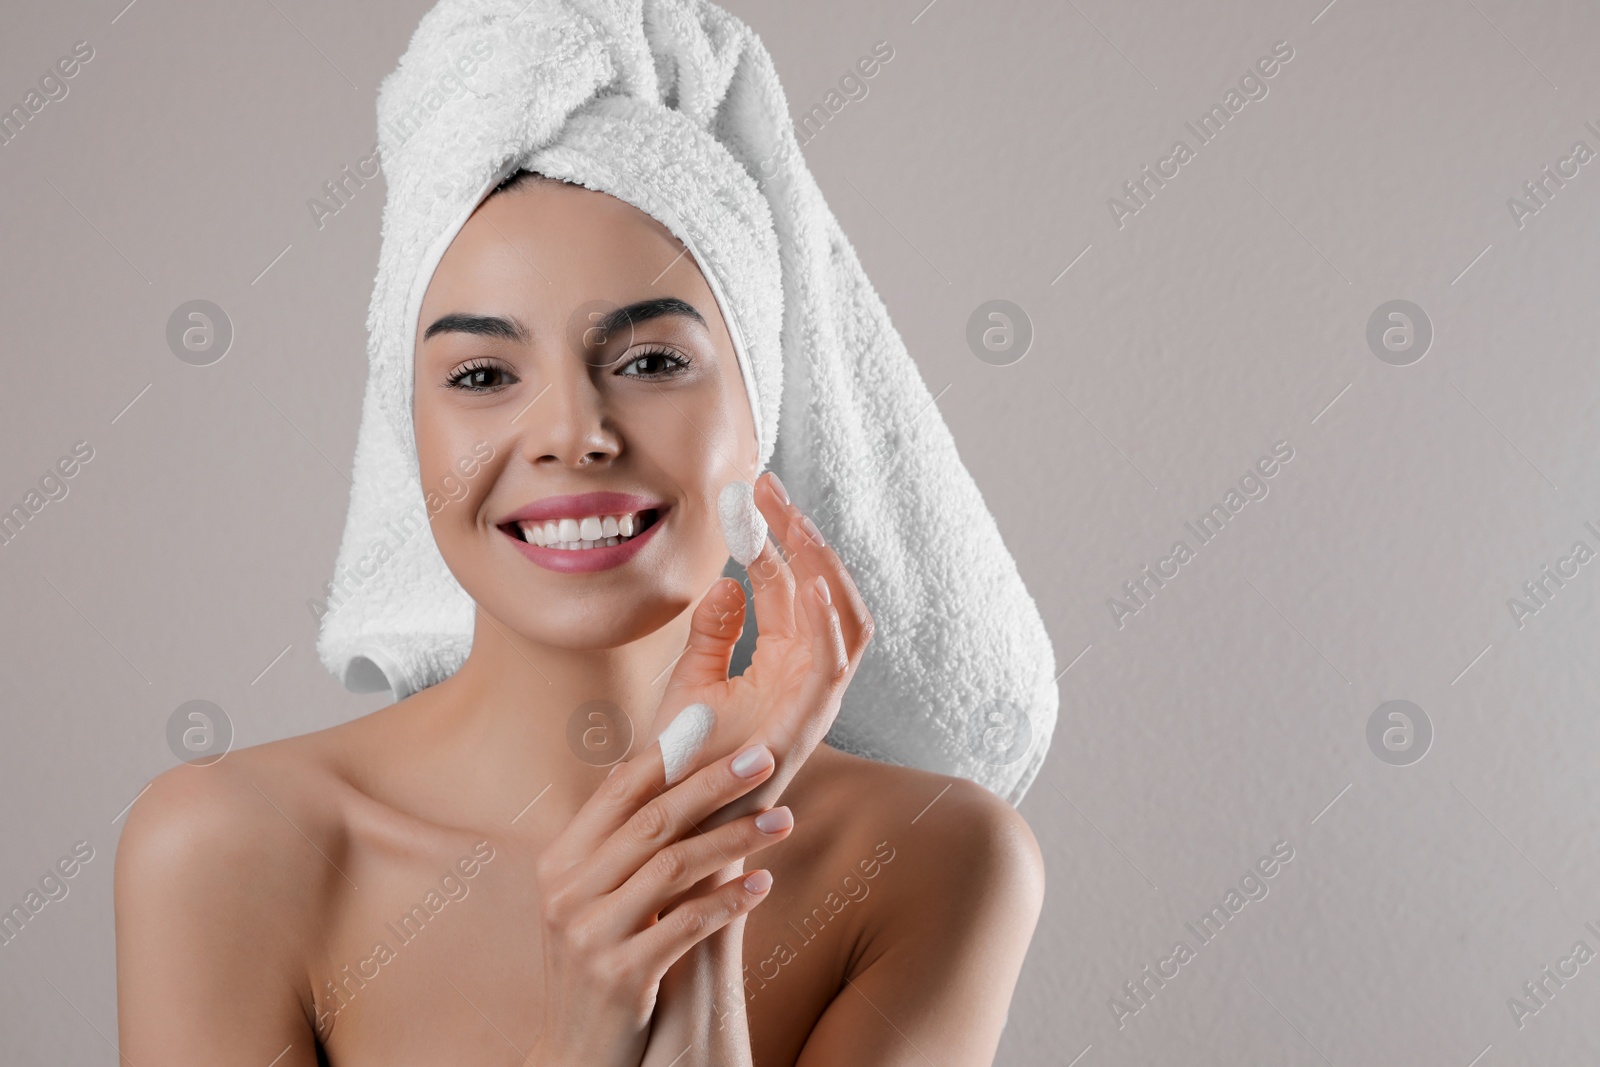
[674,106]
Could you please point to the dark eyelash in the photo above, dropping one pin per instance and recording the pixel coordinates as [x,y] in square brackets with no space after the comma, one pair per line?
[466,370]
[680,361]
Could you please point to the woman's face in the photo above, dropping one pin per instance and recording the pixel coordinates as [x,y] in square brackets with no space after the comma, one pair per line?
[520,383]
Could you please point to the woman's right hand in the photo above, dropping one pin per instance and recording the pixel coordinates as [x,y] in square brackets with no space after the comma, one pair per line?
[633,849]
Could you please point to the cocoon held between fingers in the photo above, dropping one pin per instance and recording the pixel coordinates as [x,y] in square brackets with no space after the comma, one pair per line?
[682,740]
[744,528]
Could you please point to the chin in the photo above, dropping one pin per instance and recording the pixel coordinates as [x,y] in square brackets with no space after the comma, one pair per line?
[580,612]
[606,620]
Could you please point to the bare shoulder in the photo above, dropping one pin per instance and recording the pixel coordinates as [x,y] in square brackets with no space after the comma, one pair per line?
[229,879]
[944,932]
[956,844]
[227,804]
[221,849]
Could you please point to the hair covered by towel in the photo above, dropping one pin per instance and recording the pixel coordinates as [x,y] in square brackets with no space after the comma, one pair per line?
[674,107]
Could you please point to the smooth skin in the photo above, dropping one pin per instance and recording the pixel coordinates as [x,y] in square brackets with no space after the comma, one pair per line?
[445,880]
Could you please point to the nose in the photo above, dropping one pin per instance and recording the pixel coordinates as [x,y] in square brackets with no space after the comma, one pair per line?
[568,424]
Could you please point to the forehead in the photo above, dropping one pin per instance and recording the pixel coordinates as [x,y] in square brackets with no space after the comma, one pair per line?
[551,247]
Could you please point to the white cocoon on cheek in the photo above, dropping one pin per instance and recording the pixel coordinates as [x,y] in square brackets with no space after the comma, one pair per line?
[744,529]
[684,737]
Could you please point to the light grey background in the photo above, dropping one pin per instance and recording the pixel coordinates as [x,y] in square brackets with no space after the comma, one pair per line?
[1228,314]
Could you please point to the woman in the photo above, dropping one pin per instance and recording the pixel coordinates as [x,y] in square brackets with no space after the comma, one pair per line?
[452,878]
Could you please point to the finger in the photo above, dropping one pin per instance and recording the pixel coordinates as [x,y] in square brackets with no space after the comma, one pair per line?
[799,724]
[628,837]
[770,577]
[802,722]
[714,629]
[629,785]
[698,918]
[830,654]
[809,554]
[812,558]
[674,871]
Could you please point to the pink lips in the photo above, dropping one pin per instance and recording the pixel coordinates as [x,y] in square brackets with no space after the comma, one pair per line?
[578,505]
[583,561]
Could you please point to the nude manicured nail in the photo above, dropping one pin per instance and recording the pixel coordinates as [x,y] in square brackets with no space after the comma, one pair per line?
[752,761]
[822,587]
[811,528]
[770,822]
[783,493]
[758,882]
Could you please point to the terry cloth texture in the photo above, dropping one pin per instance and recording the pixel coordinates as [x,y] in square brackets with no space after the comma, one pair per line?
[674,106]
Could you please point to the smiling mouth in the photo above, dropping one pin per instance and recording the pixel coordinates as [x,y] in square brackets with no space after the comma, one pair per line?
[586,533]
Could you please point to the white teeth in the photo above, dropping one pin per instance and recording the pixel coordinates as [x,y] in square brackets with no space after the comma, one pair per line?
[591,531]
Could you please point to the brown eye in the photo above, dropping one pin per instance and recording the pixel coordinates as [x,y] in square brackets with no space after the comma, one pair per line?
[662,363]
[480,376]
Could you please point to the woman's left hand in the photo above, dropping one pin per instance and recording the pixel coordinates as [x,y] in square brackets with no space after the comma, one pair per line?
[809,641]
[807,648]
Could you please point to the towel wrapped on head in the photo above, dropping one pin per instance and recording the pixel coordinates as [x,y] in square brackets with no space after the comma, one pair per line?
[674,107]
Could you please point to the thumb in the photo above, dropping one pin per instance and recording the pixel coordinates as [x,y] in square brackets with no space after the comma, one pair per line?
[713,631]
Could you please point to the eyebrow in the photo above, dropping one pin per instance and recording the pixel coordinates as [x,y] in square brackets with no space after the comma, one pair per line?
[509,328]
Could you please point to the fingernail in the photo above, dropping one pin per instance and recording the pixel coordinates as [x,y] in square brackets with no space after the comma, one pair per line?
[778,485]
[758,882]
[615,767]
[770,822]
[822,587]
[752,761]
[681,740]
[744,529]
[811,528]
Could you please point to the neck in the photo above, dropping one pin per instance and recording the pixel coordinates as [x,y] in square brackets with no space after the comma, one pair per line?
[524,714]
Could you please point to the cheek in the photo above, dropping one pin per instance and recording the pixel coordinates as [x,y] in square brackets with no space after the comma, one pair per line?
[744,450]
[724,429]
[705,444]
[455,478]
[434,445]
